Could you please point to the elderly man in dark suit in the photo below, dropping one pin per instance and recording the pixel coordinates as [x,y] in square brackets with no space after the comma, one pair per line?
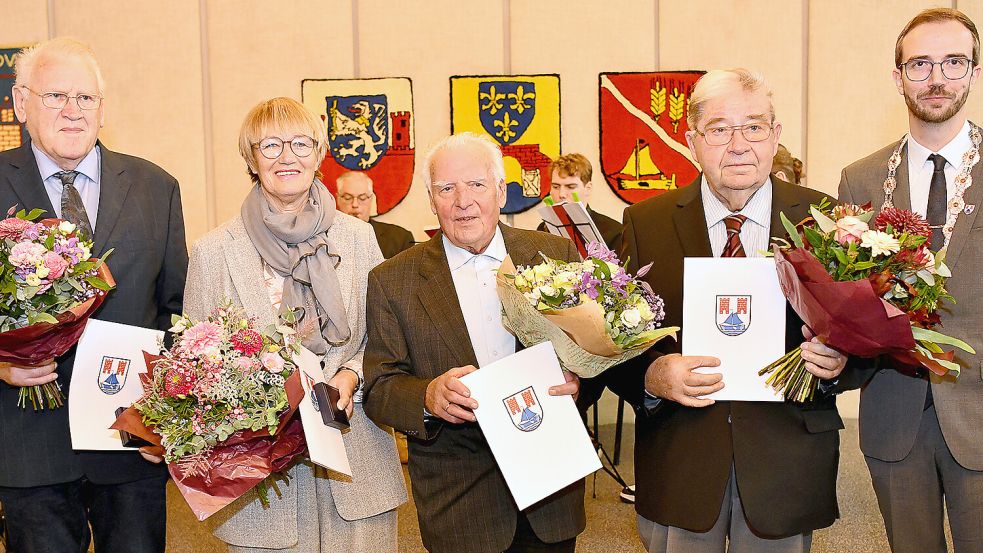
[50,493]
[920,435]
[434,316]
[728,475]
[354,196]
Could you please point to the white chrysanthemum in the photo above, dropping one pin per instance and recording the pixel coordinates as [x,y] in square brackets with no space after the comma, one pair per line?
[879,243]
[631,317]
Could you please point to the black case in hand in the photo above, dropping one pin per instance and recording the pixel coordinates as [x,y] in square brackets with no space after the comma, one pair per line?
[327,397]
[129,440]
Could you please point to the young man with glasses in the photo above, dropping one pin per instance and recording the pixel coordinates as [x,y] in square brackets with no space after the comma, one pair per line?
[920,434]
[743,477]
[50,493]
[355,197]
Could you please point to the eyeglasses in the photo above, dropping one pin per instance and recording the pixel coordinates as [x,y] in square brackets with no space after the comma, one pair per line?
[58,100]
[718,136]
[361,197]
[953,69]
[271,147]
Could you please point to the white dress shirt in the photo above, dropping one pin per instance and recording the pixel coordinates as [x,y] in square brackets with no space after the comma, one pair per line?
[754,232]
[87,182]
[474,281]
[920,169]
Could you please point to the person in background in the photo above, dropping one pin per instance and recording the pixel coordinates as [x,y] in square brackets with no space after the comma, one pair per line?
[355,197]
[571,176]
[787,167]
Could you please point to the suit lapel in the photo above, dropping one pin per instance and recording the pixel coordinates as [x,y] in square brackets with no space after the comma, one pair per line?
[113,187]
[439,298]
[902,190]
[27,184]
[691,222]
[972,197]
[783,199]
[246,270]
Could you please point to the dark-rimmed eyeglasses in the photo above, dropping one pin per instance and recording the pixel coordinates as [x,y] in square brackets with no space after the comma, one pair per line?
[953,68]
[58,100]
[272,146]
[718,136]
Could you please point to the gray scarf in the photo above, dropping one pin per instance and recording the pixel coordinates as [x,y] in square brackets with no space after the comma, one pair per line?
[296,246]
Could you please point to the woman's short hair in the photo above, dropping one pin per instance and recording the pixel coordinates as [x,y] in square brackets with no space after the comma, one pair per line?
[26,61]
[279,115]
[492,153]
[721,82]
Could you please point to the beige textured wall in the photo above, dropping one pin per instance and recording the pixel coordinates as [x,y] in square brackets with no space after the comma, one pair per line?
[182,74]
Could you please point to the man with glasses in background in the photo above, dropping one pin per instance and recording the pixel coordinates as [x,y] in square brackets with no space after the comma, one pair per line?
[50,493]
[744,477]
[920,434]
[355,197]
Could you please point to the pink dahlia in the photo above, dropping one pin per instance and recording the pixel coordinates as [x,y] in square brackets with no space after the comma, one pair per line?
[13,227]
[204,337]
[902,220]
[247,342]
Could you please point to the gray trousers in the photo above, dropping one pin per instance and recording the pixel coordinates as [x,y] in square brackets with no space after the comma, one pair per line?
[730,526]
[910,493]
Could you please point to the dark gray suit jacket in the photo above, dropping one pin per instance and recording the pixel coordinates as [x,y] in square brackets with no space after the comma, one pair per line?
[416,333]
[891,403]
[140,216]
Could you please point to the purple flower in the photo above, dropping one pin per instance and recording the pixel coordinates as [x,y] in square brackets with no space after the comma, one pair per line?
[588,285]
[619,280]
[597,250]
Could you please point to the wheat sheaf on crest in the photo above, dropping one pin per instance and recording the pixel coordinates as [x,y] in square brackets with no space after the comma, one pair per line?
[657,103]
[677,108]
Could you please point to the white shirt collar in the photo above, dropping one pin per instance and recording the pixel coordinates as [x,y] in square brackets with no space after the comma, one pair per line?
[458,257]
[757,209]
[952,152]
[89,166]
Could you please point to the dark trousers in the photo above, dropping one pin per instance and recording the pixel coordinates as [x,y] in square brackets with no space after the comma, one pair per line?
[911,492]
[125,518]
[526,541]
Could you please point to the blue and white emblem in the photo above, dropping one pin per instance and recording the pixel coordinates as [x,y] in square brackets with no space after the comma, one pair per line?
[310,390]
[733,314]
[506,108]
[112,374]
[358,130]
[524,409]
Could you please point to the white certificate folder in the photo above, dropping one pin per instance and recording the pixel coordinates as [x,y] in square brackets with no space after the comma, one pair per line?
[539,440]
[734,309]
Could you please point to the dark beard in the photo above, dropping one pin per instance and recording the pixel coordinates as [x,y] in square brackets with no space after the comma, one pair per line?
[929,116]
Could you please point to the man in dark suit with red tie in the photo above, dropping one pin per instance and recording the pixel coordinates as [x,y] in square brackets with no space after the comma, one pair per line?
[50,493]
[725,476]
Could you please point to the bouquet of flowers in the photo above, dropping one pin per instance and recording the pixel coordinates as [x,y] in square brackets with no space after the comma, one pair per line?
[594,312]
[49,286]
[864,289]
[220,405]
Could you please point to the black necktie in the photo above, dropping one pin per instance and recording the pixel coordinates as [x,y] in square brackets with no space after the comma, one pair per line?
[734,247]
[937,208]
[72,209]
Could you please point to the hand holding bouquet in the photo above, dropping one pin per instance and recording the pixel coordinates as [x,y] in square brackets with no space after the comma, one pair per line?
[220,404]
[864,289]
[49,287]
[593,311]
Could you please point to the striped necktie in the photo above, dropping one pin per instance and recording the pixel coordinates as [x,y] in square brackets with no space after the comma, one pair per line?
[72,209]
[734,247]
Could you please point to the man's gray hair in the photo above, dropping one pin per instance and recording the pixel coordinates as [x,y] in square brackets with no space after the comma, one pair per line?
[351,176]
[492,153]
[26,61]
[721,82]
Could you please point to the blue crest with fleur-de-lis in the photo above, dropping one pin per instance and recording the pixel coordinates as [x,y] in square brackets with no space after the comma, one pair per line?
[506,108]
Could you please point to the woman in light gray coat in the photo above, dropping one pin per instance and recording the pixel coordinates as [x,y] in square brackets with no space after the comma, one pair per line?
[290,248]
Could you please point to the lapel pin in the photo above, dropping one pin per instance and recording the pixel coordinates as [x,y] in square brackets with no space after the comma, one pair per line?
[969,209]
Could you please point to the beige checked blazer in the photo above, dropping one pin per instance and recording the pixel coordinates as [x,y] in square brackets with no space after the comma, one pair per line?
[225,265]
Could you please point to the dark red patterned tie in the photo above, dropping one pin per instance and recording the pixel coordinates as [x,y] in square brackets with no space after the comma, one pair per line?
[734,247]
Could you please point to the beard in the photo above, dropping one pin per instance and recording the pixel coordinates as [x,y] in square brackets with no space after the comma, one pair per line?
[928,115]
